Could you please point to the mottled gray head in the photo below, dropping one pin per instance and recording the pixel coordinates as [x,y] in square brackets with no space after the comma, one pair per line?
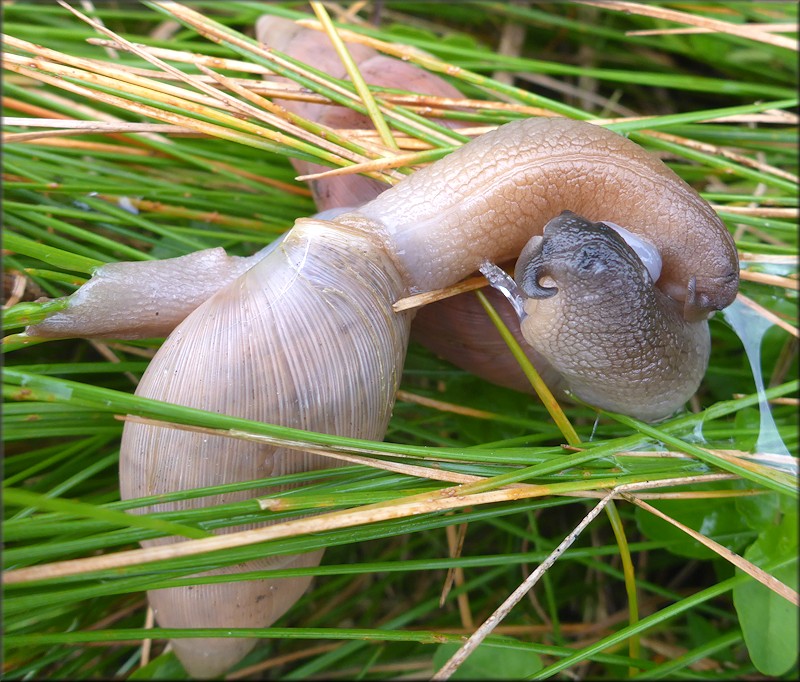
[576,252]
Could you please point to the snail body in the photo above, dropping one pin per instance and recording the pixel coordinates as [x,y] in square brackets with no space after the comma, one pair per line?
[535,169]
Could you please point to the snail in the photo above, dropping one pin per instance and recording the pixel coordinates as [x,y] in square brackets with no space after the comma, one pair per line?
[303,334]
[575,269]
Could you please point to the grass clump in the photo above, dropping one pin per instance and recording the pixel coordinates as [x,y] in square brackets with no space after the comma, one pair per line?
[110,157]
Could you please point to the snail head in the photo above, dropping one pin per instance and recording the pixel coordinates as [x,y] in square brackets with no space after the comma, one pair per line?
[583,258]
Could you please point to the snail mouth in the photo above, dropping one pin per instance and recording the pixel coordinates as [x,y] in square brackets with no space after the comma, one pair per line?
[532,272]
[536,281]
[562,248]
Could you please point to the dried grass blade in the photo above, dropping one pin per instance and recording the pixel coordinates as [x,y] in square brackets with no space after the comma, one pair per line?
[211,91]
[741,563]
[211,129]
[743,31]
[426,297]
[721,151]
[768,28]
[373,111]
[78,127]
[443,500]
[758,211]
[770,280]
[488,626]
[90,126]
[114,75]
[324,137]
[186,57]
[376,165]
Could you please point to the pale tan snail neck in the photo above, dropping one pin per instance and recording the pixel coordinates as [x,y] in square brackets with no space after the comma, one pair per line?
[356,223]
